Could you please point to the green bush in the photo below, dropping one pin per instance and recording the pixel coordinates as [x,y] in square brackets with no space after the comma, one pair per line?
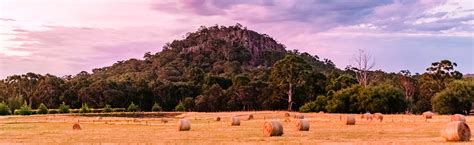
[119,110]
[24,110]
[308,107]
[189,103]
[15,103]
[53,111]
[180,107]
[4,109]
[63,108]
[156,108]
[456,98]
[107,109]
[345,100]
[315,106]
[382,98]
[85,108]
[42,109]
[133,108]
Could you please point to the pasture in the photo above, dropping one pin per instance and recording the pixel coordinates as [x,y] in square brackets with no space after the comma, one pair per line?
[162,128]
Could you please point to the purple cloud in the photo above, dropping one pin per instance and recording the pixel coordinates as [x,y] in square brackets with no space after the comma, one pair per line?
[386,15]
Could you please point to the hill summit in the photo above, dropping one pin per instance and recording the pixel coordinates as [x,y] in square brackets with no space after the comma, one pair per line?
[232,43]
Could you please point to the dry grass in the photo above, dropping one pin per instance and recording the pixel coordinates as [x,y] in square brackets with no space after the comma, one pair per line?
[324,129]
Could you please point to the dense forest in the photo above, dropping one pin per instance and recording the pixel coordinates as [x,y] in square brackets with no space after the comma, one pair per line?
[231,68]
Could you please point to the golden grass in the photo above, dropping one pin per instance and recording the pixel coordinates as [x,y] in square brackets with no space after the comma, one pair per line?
[324,129]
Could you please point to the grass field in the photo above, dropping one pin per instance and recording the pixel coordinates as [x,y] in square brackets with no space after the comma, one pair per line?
[324,129]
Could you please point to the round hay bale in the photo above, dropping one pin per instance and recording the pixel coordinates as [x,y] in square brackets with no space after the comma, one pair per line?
[218,118]
[272,128]
[302,125]
[456,131]
[287,114]
[184,125]
[458,117]
[250,117]
[367,116]
[379,116]
[428,115]
[350,120]
[76,126]
[299,116]
[321,112]
[235,121]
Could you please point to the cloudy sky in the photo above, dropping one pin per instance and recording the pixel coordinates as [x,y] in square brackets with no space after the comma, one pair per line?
[63,37]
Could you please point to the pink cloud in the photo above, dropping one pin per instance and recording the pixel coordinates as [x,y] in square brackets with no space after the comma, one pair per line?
[73,49]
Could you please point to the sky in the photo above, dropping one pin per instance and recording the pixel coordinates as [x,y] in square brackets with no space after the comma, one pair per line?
[65,37]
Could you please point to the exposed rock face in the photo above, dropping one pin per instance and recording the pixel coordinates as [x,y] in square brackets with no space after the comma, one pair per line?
[233,42]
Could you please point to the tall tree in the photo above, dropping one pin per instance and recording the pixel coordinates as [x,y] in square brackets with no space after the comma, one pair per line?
[25,85]
[444,71]
[289,72]
[438,75]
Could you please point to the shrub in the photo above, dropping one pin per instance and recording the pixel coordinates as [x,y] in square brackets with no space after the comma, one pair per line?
[107,109]
[315,106]
[133,108]
[188,103]
[63,108]
[308,107]
[344,100]
[156,108]
[42,109]
[85,108]
[383,98]
[180,107]
[422,105]
[24,110]
[456,98]
[15,103]
[4,109]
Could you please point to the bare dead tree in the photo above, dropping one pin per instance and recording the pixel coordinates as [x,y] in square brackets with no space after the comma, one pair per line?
[408,85]
[363,64]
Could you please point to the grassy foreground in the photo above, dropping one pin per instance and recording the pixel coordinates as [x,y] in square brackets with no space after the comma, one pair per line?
[324,129]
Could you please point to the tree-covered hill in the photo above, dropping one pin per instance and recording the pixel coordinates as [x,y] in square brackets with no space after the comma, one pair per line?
[223,68]
[211,57]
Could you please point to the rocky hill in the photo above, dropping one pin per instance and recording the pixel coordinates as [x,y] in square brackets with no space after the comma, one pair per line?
[228,67]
